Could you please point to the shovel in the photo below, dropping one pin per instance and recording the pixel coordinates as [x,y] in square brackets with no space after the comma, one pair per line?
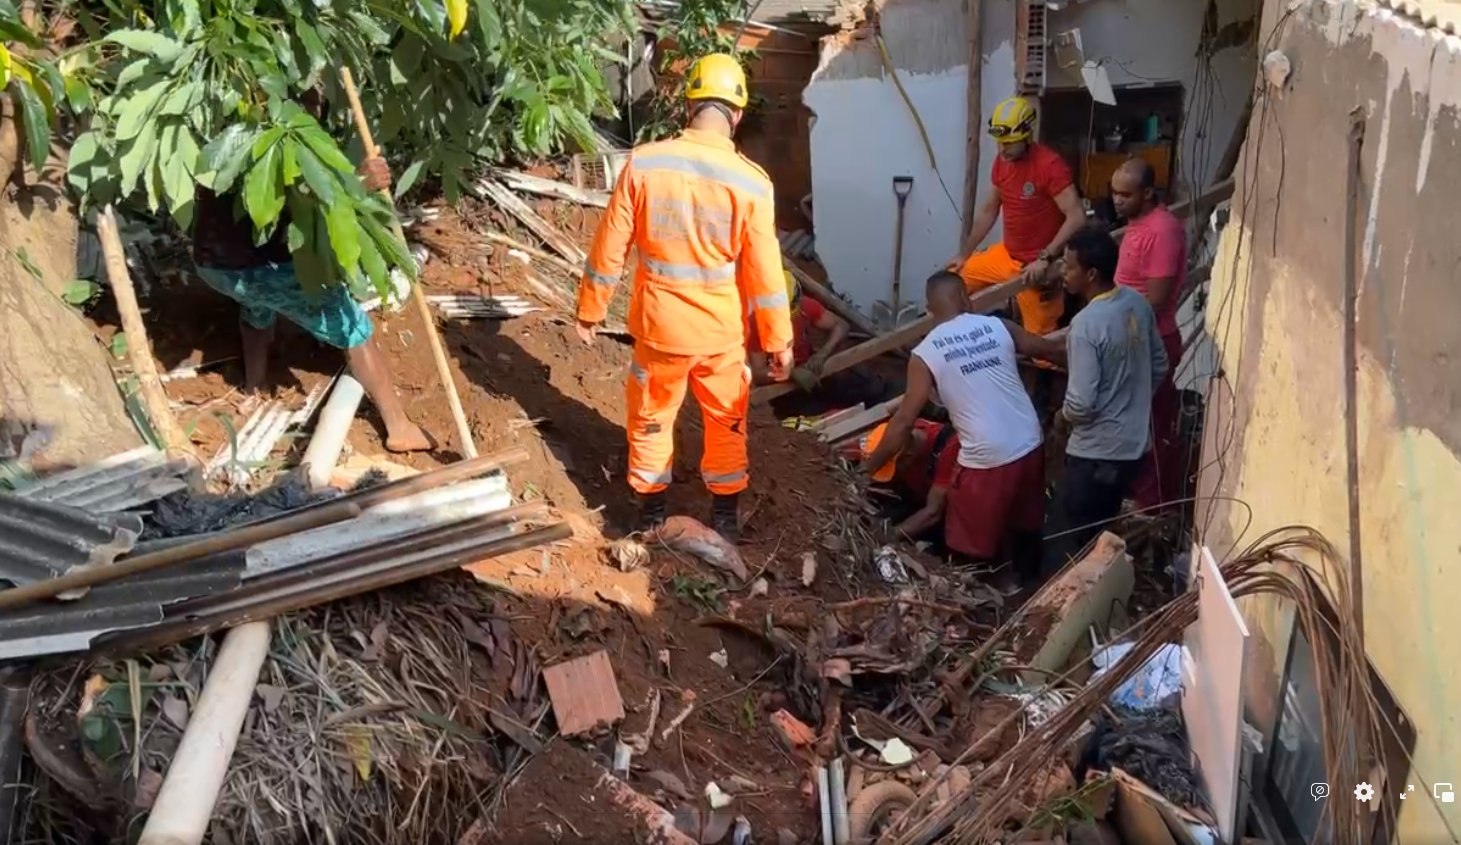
[902,187]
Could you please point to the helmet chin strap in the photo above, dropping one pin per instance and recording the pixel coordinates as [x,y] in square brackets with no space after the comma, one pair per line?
[697,106]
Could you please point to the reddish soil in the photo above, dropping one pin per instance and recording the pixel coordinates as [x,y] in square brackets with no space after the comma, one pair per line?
[530,382]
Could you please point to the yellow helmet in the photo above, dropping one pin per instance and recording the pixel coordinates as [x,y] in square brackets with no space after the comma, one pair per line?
[717,76]
[1012,120]
[793,290]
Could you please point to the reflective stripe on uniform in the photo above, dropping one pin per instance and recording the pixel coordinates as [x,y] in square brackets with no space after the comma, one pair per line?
[649,476]
[640,374]
[705,169]
[690,272]
[771,300]
[598,278]
[723,477]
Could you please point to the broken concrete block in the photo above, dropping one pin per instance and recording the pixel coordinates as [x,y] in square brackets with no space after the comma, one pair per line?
[1057,617]
[584,693]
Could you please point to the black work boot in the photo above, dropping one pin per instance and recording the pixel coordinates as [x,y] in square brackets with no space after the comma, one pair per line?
[725,516]
[652,508]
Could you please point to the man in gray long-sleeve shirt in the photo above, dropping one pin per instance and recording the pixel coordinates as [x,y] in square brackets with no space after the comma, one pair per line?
[1115,360]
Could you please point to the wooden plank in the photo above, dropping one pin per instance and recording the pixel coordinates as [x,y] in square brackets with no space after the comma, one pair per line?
[584,693]
[1137,816]
[834,303]
[509,202]
[528,183]
[989,299]
[837,416]
[974,131]
[1212,691]
[1203,202]
[860,423]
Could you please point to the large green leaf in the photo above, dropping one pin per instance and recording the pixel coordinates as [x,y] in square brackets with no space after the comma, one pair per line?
[137,108]
[225,156]
[181,98]
[136,156]
[321,180]
[341,220]
[37,126]
[263,198]
[324,147]
[154,44]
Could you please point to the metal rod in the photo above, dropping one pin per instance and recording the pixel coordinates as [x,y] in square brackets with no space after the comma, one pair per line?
[227,541]
[395,572]
[451,474]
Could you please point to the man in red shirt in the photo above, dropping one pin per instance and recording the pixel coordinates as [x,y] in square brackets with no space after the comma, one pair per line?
[806,314]
[1153,262]
[921,471]
[1036,195]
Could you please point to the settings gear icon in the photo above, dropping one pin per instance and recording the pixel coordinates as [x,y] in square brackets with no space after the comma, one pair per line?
[1364,792]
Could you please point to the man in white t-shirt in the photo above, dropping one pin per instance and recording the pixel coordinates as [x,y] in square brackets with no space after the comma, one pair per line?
[998,490]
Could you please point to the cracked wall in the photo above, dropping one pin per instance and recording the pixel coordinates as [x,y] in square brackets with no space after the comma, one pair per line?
[1275,436]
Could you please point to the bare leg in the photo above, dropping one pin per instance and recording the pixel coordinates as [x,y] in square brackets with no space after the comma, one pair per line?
[256,344]
[368,364]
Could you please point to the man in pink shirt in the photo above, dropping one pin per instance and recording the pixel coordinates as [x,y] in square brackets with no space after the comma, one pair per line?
[1153,262]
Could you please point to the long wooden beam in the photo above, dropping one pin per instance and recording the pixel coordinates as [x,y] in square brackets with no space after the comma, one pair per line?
[983,302]
[834,303]
[990,299]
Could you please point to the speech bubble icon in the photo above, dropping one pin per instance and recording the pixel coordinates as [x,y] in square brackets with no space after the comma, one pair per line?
[1320,791]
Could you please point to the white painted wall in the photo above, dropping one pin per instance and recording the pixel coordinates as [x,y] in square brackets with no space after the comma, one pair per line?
[863,136]
[1141,42]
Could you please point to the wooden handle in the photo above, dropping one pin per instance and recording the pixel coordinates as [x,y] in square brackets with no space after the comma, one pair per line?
[236,539]
[433,337]
[347,81]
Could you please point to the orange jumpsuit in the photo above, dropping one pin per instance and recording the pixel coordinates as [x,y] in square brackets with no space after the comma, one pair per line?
[702,219]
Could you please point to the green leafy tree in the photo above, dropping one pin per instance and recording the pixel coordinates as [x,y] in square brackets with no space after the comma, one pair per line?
[33,82]
[192,94]
[693,30]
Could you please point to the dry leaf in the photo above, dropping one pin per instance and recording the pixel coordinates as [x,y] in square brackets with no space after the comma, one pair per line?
[159,672]
[376,649]
[271,695]
[809,568]
[176,711]
[148,783]
[95,686]
[357,745]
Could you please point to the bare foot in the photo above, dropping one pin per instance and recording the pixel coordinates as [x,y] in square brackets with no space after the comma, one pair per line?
[411,438]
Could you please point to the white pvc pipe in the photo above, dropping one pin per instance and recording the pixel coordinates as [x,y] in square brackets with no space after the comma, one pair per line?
[323,452]
[824,803]
[185,802]
[837,789]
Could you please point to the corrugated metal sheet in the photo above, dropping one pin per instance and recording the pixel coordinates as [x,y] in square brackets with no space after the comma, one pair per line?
[113,484]
[40,540]
[54,627]
[1441,14]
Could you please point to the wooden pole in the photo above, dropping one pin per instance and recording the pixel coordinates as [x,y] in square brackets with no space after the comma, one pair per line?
[974,26]
[834,303]
[990,299]
[443,369]
[139,350]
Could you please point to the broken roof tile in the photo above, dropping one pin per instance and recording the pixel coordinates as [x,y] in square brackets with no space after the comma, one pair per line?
[117,483]
[585,694]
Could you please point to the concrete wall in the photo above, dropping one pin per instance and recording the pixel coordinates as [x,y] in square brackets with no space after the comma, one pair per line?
[1141,42]
[1275,427]
[863,135]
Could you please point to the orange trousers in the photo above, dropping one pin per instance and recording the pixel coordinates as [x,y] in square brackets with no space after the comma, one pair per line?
[1040,311]
[656,388]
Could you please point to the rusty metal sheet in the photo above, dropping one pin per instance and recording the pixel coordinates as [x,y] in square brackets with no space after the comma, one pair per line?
[1444,15]
[40,540]
[122,481]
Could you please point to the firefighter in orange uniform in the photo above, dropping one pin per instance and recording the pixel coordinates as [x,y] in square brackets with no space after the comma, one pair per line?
[702,218]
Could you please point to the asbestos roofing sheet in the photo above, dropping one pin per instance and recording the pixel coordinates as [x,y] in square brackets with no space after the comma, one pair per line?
[58,627]
[40,540]
[1441,14]
[122,481]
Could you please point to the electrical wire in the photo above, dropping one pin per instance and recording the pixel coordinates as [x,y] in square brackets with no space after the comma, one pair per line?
[917,119]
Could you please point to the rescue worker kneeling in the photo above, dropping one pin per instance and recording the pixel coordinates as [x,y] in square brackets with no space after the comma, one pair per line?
[703,219]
